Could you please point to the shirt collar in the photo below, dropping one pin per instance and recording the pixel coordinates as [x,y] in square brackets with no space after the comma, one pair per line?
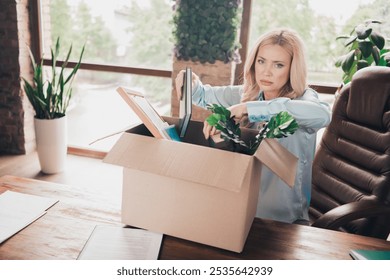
[261,95]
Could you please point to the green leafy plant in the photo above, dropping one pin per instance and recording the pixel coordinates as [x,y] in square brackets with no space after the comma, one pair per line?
[365,48]
[279,126]
[206,30]
[50,98]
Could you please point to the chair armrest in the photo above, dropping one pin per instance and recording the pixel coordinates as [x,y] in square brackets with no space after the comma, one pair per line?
[346,213]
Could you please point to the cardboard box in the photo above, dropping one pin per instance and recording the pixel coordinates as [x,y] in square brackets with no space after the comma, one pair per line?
[191,191]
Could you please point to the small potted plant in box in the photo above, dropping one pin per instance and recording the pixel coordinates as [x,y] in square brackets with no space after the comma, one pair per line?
[50,99]
[280,125]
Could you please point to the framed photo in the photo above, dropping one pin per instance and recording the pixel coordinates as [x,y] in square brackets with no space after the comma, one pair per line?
[145,111]
[185,109]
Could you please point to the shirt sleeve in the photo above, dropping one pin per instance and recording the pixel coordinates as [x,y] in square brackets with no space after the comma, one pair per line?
[310,113]
[222,95]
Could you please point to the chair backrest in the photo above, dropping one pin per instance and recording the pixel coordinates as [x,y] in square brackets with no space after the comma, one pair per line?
[352,162]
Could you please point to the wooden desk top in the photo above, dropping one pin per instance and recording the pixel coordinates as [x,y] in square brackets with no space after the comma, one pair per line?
[63,231]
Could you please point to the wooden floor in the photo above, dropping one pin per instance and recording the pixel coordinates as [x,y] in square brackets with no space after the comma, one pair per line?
[79,170]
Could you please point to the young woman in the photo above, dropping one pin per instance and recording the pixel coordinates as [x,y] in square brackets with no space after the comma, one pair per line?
[275,80]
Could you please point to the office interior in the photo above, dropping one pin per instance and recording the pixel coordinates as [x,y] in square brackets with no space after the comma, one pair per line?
[97,116]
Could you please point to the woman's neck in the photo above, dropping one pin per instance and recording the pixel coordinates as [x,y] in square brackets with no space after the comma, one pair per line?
[268,95]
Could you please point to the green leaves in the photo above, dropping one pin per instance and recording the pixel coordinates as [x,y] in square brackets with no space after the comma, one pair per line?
[365,47]
[50,98]
[279,126]
[206,31]
[347,61]
[378,40]
[363,31]
[222,120]
[220,114]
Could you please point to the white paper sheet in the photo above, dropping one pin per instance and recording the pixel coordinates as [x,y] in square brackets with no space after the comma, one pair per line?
[18,210]
[118,243]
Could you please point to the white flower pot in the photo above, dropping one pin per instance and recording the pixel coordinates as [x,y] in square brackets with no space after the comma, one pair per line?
[51,139]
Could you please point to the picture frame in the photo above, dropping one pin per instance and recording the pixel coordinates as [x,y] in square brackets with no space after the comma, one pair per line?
[145,111]
[185,108]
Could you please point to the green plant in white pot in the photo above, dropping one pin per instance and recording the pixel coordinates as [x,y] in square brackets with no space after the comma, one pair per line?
[50,99]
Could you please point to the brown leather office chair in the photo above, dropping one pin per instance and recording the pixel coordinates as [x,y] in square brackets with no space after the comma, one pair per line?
[351,169]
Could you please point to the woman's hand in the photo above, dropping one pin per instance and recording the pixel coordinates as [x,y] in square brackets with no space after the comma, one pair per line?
[179,82]
[238,111]
[209,130]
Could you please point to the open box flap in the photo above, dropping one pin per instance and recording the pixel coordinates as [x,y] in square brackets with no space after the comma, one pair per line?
[278,159]
[181,160]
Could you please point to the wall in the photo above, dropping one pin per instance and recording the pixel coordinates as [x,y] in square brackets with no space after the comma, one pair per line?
[16,115]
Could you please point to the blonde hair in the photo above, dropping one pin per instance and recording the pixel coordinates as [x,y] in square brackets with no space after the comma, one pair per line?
[293,44]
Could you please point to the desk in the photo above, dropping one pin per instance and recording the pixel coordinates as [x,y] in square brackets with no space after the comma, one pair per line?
[63,231]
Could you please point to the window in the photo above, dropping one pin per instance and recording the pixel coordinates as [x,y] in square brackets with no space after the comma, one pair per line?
[121,32]
[128,43]
[125,45]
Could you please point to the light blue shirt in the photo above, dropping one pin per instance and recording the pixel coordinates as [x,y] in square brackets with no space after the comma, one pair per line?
[277,201]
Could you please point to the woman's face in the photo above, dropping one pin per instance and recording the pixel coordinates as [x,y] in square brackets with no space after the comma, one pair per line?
[272,69]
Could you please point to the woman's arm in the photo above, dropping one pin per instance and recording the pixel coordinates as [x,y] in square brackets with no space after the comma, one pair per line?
[222,95]
[310,113]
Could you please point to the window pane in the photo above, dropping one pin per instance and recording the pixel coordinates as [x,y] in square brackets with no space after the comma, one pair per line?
[134,33]
[122,32]
[319,23]
[97,110]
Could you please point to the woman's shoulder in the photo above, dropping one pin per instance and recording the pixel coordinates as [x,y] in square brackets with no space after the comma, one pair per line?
[310,90]
[309,93]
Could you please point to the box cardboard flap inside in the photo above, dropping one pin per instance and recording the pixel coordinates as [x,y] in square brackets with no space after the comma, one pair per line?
[278,159]
[203,165]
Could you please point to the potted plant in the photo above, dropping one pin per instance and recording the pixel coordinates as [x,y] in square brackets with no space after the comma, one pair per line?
[205,39]
[365,47]
[281,125]
[50,99]
[206,31]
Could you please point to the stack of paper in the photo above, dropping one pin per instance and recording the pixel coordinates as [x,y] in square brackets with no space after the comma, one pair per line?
[118,243]
[18,210]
